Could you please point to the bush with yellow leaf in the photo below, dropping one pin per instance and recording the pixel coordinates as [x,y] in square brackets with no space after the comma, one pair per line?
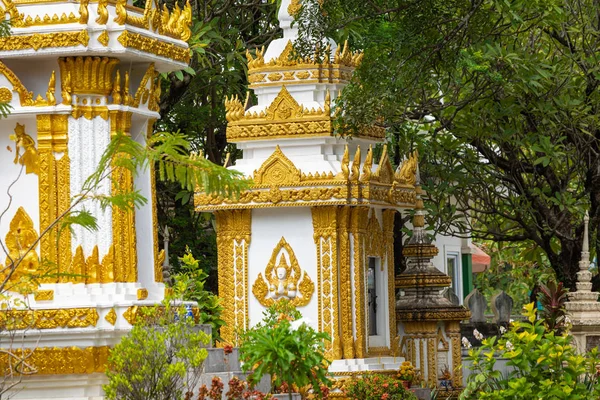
[542,365]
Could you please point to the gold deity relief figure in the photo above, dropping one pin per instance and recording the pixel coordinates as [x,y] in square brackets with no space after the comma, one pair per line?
[25,152]
[20,237]
[283,279]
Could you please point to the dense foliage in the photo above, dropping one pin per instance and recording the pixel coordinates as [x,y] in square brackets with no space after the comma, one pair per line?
[284,346]
[500,97]
[190,282]
[159,359]
[376,387]
[193,102]
[542,365]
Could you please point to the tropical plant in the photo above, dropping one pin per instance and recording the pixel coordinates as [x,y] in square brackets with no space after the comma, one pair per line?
[238,390]
[542,365]
[286,347]
[190,283]
[500,98]
[159,359]
[378,387]
[553,298]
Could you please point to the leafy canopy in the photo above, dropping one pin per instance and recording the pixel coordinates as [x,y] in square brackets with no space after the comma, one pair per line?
[500,98]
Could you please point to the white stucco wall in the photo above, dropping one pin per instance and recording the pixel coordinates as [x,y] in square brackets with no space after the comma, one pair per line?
[268,227]
[25,190]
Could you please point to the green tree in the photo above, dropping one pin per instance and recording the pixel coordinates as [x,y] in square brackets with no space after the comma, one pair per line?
[193,102]
[500,98]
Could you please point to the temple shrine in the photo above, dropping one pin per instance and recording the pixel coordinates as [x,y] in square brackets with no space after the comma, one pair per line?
[75,73]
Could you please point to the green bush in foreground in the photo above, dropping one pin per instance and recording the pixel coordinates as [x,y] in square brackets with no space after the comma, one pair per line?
[542,365]
[159,359]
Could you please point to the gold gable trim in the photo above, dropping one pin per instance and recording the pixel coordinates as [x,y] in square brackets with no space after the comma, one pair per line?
[277,170]
[25,96]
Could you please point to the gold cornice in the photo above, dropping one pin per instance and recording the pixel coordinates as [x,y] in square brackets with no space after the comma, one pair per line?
[154,46]
[38,41]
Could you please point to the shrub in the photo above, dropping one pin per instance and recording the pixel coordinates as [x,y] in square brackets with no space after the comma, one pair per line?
[287,348]
[159,359]
[543,365]
[378,387]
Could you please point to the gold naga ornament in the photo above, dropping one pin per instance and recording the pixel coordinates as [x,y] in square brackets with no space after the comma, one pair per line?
[283,279]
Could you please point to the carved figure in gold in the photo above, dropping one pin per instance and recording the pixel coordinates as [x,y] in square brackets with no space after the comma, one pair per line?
[407,171]
[24,142]
[22,261]
[283,279]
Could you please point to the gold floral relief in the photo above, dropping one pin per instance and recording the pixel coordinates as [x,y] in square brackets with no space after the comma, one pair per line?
[154,46]
[45,40]
[49,318]
[44,295]
[61,360]
[111,317]
[277,170]
[5,95]
[283,279]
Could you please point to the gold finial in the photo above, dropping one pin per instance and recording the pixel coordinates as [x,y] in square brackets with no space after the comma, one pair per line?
[102,12]
[345,163]
[366,170]
[164,19]
[51,90]
[184,22]
[121,12]
[66,89]
[83,11]
[356,166]
[327,106]
[116,91]
[172,23]
[126,95]
[407,171]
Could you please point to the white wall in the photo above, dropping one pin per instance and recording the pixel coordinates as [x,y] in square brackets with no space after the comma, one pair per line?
[268,226]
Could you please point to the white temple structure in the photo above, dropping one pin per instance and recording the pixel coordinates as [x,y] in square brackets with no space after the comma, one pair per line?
[317,226]
[75,73]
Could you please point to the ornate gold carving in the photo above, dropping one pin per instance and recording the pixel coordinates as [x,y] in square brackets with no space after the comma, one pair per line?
[45,40]
[358,220]
[375,245]
[103,38]
[325,236]
[5,95]
[283,279]
[277,170]
[111,317]
[88,75]
[388,240]
[283,117]
[121,11]
[102,12]
[50,20]
[62,361]
[413,280]
[84,14]
[233,239]
[275,76]
[432,362]
[130,315]
[148,85]
[21,263]
[29,158]
[345,295]
[142,294]
[443,315]
[406,173]
[49,318]
[44,295]
[425,251]
[124,232]
[154,46]
[159,255]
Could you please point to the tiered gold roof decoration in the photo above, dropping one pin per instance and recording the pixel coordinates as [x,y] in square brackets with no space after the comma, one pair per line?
[287,68]
[150,21]
[278,182]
